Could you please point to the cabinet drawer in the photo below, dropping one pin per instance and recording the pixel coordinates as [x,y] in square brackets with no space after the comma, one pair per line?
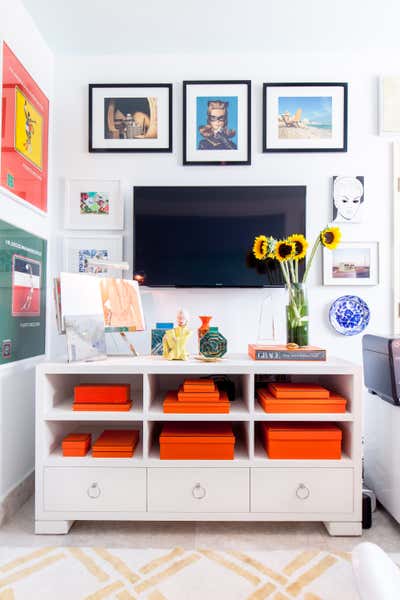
[94,489]
[302,490]
[198,490]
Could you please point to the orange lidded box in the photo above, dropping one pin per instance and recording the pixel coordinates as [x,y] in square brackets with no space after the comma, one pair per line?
[197,441]
[115,443]
[302,440]
[173,405]
[111,393]
[270,404]
[199,385]
[198,396]
[76,444]
[102,406]
[298,390]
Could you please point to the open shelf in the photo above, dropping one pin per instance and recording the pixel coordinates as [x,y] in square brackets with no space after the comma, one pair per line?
[238,412]
[63,412]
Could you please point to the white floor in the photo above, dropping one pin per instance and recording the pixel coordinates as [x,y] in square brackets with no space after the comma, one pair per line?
[240,536]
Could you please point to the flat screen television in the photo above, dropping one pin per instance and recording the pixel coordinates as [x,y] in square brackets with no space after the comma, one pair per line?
[202,236]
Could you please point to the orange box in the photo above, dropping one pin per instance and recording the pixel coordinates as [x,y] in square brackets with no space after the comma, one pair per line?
[270,404]
[171,404]
[197,441]
[76,444]
[198,396]
[118,393]
[107,407]
[298,390]
[302,440]
[116,454]
[116,440]
[199,385]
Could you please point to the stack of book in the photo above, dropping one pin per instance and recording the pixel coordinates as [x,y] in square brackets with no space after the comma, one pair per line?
[197,396]
[76,444]
[113,397]
[300,398]
[116,443]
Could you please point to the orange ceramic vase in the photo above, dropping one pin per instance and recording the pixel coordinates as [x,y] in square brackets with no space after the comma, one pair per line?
[204,327]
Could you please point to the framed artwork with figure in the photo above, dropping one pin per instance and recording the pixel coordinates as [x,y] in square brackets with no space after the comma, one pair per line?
[348,199]
[94,204]
[216,122]
[129,117]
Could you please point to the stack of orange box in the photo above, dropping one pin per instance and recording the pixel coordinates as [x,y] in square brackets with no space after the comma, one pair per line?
[302,440]
[197,396]
[116,443]
[93,397]
[76,444]
[299,398]
[197,441]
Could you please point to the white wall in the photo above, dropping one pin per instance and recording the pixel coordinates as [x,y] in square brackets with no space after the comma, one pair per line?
[236,311]
[17,380]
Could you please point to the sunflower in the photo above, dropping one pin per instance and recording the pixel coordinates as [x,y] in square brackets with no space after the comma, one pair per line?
[300,244]
[260,247]
[284,250]
[330,237]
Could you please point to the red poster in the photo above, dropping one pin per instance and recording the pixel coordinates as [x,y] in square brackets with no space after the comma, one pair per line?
[24,134]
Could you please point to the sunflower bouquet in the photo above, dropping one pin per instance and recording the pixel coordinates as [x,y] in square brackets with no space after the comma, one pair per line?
[289,252]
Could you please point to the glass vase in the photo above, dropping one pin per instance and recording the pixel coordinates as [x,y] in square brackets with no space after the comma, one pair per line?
[297,315]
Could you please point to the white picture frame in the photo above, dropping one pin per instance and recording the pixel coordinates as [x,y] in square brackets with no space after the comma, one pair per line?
[93,204]
[396,237]
[352,264]
[389,99]
[77,248]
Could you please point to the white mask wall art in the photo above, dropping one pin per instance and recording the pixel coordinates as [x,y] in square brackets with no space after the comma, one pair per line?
[348,199]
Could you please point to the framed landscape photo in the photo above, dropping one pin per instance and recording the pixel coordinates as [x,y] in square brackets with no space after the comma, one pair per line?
[352,263]
[305,117]
[129,117]
[93,204]
[78,250]
[216,122]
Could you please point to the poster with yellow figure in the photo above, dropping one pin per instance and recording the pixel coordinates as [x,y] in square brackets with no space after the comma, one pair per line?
[28,129]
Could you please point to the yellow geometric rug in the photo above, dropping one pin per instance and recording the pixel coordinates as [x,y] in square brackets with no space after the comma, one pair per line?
[68,573]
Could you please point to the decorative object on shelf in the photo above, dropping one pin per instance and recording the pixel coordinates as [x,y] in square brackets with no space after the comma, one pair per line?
[79,251]
[348,197]
[266,322]
[85,337]
[175,340]
[116,443]
[24,135]
[197,441]
[216,122]
[93,204]
[389,98]
[130,117]
[204,327]
[288,352]
[157,336]
[289,252]
[354,263]
[297,441]
[349,315]
[305,117]
[213,344]
[76,444]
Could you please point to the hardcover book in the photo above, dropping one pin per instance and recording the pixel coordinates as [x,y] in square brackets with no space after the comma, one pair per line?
[282,352]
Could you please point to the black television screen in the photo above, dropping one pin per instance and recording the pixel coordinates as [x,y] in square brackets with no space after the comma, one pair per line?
[202,236]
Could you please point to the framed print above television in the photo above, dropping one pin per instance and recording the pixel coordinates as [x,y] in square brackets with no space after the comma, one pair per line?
[216,122]
[130,117]
[79,249]
[24,134]
[352,263]
[305,117]
[93,204]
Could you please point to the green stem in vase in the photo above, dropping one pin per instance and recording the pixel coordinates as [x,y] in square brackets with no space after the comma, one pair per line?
[309,262]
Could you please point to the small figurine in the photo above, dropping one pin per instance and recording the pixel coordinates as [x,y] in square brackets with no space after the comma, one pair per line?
[175,340]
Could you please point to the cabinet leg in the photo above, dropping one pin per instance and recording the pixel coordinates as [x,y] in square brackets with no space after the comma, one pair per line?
[350,528]
[53,527]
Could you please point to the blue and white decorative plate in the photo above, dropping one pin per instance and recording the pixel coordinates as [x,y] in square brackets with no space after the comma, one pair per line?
[349,315]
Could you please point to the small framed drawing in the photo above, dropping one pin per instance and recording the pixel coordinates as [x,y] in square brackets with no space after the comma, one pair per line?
[305,117]
[130,117]
[93,204]
[216,122]
[347,198]
[352,263]
[389,98]
[79,249]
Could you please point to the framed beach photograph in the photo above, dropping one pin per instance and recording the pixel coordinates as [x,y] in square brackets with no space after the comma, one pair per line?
[347,199]
[305,117]
[129,117]
[216,122]
[93,204]
[352,263]
[78,250]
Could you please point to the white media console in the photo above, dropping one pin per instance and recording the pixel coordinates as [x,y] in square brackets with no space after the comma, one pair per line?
[251,487]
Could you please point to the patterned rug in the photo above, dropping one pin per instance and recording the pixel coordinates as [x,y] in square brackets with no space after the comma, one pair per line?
[68,573]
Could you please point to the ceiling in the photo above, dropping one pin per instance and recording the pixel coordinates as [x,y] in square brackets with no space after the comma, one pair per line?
[92,27]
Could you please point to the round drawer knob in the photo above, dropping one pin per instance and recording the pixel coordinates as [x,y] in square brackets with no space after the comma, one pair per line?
[94,491]
[302,492]
[198,492]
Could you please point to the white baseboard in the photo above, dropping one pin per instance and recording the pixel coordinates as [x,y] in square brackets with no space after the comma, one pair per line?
[16,497]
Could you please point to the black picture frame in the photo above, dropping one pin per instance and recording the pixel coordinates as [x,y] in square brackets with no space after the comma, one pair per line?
[270,126]
[243,149]
[98,121]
